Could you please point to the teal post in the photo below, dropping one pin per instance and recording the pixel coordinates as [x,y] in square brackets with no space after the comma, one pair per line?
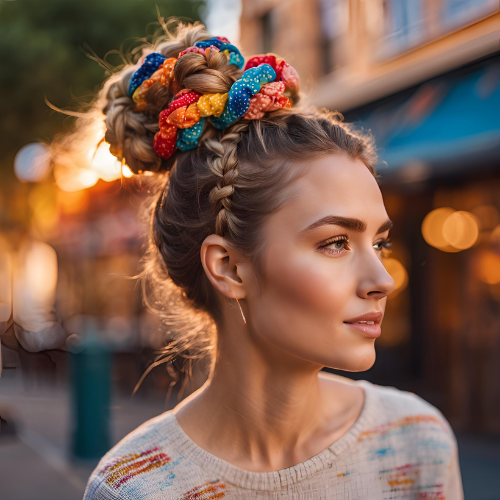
[90,365]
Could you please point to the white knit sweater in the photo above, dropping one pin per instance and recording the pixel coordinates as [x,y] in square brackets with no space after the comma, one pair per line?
[401,447]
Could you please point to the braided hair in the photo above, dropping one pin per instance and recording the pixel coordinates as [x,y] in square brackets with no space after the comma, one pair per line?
[224,164]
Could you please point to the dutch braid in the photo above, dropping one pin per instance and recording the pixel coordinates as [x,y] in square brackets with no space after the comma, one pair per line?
[224,164]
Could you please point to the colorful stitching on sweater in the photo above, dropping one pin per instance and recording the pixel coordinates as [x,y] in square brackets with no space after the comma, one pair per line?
[405,480]
[402,423]
[214,489]
[124,468]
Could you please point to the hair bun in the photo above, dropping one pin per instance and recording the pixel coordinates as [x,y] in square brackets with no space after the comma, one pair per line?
[152,119]
[131,112]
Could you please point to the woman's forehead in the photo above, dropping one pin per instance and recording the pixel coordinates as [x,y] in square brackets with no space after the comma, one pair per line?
[335,174]
[336,185]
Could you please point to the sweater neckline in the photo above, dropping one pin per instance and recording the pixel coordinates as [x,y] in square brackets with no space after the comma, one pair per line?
[272,480]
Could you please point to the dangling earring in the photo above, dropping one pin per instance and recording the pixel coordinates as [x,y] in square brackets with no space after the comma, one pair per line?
[241,310]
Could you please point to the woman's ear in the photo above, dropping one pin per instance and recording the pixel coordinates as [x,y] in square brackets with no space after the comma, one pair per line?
[221,263]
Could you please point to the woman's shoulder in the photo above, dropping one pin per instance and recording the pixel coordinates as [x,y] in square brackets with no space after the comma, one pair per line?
[390,413]
[389,402]
[406,416]
[411,439]
[393,402]
[147,461]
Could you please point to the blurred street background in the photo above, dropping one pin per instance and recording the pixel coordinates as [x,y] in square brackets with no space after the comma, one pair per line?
[422,75]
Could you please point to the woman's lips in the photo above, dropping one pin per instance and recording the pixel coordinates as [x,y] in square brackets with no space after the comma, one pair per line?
[371,331]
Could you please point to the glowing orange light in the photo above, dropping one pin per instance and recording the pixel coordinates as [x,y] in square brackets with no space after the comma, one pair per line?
[126,172]
[432,227]
[488,267]
[36,281]
[74,179]
[105,164]
[450,230]
[460,229]
[72,202]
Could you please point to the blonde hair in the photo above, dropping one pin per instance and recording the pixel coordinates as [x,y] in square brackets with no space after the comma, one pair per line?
[228,185]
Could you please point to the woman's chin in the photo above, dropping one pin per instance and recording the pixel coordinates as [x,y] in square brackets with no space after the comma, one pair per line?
[356,362]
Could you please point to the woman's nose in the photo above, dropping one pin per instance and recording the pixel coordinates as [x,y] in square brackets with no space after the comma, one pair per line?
[374,280]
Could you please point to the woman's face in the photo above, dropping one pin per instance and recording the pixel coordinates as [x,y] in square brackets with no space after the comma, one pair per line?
[323,267]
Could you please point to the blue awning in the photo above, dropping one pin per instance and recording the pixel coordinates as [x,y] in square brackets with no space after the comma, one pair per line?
[447,122]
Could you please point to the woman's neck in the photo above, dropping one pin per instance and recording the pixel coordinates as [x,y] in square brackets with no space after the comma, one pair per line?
[263,410]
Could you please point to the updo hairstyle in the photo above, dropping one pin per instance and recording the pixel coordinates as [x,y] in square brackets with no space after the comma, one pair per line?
[229,185]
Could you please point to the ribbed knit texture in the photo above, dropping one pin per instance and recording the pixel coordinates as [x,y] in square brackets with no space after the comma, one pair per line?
[400,447]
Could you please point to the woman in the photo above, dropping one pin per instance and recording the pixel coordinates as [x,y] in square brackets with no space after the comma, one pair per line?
[270,227]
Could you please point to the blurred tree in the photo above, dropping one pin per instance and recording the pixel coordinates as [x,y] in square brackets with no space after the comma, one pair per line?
[43,46]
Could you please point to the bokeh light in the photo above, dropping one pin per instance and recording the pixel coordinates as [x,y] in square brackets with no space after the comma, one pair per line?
[32,162]
[487,266]
[127,172]
[73,179]
[450,230]
[105,164]
[432,227]
[96,162]
[36,283]
[460,229]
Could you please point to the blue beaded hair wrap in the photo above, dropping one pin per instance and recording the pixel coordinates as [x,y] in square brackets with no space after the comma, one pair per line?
[235,56]
[151,63]
[188,138]
[241,92]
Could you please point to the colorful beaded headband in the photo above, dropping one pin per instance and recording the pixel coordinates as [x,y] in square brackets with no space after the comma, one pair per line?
[260,90]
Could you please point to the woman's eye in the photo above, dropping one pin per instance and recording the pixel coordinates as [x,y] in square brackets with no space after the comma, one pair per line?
[336,245]
[339,245]
[383,246]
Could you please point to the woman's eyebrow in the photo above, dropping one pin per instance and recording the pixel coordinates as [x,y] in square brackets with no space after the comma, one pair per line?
[347,222]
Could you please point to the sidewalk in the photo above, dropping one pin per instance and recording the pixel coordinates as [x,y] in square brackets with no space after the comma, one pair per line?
[26,475]
[36,463]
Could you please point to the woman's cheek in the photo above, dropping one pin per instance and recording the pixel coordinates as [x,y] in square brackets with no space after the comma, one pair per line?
[309,279]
